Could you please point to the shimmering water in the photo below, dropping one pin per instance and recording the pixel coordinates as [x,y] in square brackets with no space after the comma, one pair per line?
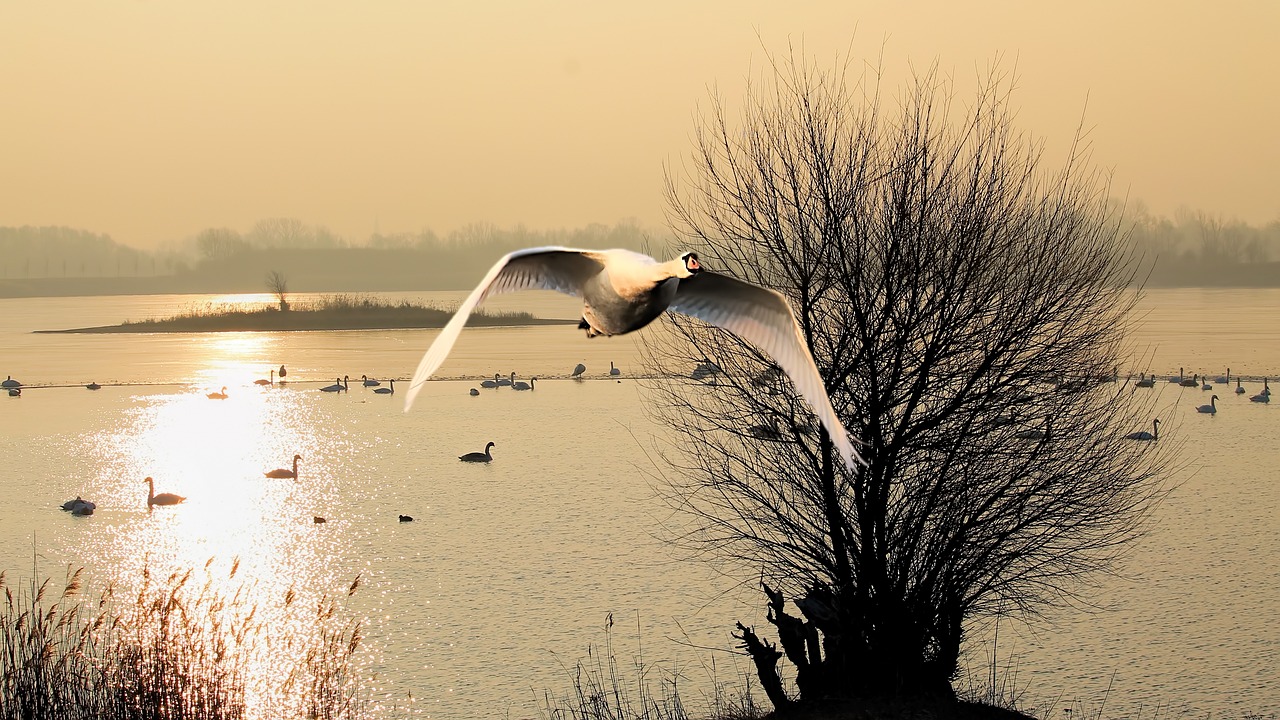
[510,570]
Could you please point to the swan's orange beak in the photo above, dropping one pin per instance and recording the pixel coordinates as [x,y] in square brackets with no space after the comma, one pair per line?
[691,263]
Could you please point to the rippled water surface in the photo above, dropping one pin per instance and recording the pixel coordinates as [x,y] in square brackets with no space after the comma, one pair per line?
[510,570]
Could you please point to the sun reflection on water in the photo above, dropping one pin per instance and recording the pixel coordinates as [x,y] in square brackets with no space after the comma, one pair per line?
[255,537]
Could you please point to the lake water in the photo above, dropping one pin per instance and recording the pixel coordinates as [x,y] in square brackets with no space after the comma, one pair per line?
[510,570]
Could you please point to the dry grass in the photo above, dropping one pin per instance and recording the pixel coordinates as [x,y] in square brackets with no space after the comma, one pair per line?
[174,650]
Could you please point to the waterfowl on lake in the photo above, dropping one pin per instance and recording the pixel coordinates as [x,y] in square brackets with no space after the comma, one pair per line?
[613,370]
[522,385]
[162,498]
[78,506]
[1239,387]
[93,386]
[1211,408]
[406,518]
[369,382]
[483,457]
[389,389]
[15,392]
[272,381]
[580,368]
[338,386]
[1144,435]
[220,395]
[623,291]
[502,382]
[9,382]
[490,383]
[284,473]
[1146,382]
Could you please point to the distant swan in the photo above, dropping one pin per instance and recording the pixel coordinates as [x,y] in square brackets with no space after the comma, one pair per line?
[368,382]
[93,386]
[483,457]
[162,498]
[1211,408]
[391,387]
[1144,435]
[522,385]
[624,291]
[1224,379]
[272,381]
[474,392]
[337,386]
[1146,382]
[10,383]
[1239,387]
[1265,395]
[490,383]
[580,368]
[1177,379]
[79,506]
[218,395]
[1192,382]
[613,370]
[507,382]
[283,473]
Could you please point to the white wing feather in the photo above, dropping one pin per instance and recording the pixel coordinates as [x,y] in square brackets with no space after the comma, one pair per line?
[763,318]
[548,268]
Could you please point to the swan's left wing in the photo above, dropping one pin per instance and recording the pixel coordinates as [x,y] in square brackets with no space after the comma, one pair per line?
[763,318]
[548,268]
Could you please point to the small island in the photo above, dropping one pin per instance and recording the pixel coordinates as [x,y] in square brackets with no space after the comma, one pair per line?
[337,312]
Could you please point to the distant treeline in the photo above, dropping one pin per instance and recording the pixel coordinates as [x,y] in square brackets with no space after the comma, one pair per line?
[1191,249]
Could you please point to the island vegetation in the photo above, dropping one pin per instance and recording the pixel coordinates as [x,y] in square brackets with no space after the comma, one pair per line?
[330,312]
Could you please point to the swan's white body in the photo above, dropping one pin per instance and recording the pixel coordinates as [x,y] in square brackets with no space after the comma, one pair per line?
[337,386]
[284,473]
[490,383]
[623,291]
[162,498]
[221,395]
[1211,408]
[613,370]
[369,382]
[389,390]
[9,382]
[1144,435]
[272,381]
[483,457]
[580,368]
[522,385]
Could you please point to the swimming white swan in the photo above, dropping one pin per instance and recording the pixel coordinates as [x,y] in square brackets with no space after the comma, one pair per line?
[1224,379]
[1264,396]
[1239,387]
[369,382]
[483,457]
[272,381]
[490,383]
[221,395]
[337,386]
[502,381]
[1211,408]
[1146,382]
[284,473]
[94,386]
[1144,435]
[613,370]
[522,385]
[9,382]
[162,498]
[580,368]
[1192,382]
[473,392]
[390,389]
[78,506]
[623,291]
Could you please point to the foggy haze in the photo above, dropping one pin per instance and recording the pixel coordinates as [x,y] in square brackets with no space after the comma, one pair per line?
[149,122]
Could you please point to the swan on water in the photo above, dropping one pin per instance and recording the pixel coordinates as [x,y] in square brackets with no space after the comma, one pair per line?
[522,385]
[483,457]
[9,382]
[1239,387]
[1146,382]
[473,392]
[613,370]
[1224,379]
[221,395]
[580,368]
[623,291]
[272,381]
[1144,435]
[94,386]
[391,388]
[1211,408]
[79,506]
[284,473]
[338,386]
[490,383]
[369,382]
[1264,396]
[502,381]
[162,498]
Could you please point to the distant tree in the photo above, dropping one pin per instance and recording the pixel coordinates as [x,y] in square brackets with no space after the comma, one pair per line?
[216,244]
[967,311]
[279,286]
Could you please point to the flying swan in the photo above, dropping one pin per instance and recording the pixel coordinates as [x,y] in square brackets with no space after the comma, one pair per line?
[624,291]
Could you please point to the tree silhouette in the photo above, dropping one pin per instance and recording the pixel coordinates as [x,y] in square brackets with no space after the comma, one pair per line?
[279,286]
[968,313]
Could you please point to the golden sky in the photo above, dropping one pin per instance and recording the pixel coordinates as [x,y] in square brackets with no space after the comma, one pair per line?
[150,121]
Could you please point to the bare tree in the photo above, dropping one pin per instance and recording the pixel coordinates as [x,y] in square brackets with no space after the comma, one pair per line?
[279,286]
[968,312]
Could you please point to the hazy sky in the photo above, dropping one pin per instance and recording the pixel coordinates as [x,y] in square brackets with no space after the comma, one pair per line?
[153,120]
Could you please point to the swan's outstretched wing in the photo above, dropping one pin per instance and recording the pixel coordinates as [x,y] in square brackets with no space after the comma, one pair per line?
[763,318]
[548,268]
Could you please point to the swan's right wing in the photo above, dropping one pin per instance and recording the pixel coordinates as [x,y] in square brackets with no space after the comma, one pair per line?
[548,268]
